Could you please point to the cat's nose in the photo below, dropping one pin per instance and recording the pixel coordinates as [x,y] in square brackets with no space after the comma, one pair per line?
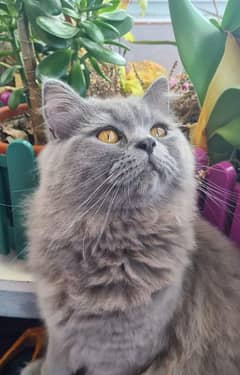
[147,145]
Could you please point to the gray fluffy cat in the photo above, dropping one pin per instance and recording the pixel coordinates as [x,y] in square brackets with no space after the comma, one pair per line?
[129,279]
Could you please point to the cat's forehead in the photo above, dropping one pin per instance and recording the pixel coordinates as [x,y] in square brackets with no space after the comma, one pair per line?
[127,114]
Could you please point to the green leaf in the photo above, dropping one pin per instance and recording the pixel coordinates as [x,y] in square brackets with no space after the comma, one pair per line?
[3,7]
[117,44]
[33,10]
[215,23]
[81,4]
[7,75]
[124,26]
[94,8]
[7,52]
[52,7]
[118,15]
[108,31]
[12,10]
[93,31]
[113,5]
[231,19]
[93,2]
[71,13]
[195,37]
[56,27]
[55,65]
[67,4]
[102,54]
[230,132]
[15,98]
[77,78]
[97,69]
[225,110]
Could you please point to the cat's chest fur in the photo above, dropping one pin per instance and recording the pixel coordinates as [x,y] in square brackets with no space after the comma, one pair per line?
[122,343]
[113,307]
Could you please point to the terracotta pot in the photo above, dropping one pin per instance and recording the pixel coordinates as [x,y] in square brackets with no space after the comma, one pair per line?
[5,113]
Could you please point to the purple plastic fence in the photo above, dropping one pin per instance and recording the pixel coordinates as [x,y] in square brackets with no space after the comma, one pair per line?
[219,197]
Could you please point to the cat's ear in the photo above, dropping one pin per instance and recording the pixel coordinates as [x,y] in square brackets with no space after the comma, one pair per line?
[157,95]
[60,106]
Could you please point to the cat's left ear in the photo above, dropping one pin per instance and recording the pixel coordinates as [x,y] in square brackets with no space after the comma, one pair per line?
[157,95]
[62,108]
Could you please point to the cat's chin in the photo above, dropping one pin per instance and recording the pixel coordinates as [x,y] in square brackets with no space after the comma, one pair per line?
[144,191]
[149,183]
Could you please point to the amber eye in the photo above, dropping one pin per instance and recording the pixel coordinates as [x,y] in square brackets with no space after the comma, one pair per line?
[158,131]
[108,136]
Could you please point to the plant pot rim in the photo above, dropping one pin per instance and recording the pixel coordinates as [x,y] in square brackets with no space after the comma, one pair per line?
[5,113]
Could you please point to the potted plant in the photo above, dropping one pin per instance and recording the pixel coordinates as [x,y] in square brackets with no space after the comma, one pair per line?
[67,40]
[210,53]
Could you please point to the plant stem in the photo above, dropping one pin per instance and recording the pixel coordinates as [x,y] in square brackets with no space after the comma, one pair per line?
[16,49]
[155,42]
[29,65]
[216,8]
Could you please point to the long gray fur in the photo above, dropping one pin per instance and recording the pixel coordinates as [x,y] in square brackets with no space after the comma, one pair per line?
[129,278]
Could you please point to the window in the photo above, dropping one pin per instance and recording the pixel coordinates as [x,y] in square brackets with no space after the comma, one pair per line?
[158,9]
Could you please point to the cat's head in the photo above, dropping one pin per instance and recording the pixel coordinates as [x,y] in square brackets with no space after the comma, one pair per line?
[122,151]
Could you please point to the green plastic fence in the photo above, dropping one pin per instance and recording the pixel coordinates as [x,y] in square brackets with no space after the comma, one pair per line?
[18,178]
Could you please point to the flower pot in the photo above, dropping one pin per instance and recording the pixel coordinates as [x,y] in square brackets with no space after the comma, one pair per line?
[18,178]
[220,203]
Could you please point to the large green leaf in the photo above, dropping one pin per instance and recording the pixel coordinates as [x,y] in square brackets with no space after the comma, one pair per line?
[95,8]
[55,65]
[57,27]
[102,54]
[117,44]
[118,15]
[33,10]
[200,43]
[113,5]
[52,7]
[3,7]
[225,78]
[71,13]
[231,19]
[7,75]
[93,31]
[94,2]
[12,10]
[68,4]
[230,132]
[108,31]
[123,27]
[77,78]
[226,109]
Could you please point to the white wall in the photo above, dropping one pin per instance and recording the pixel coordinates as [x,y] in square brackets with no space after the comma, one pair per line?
[164,54]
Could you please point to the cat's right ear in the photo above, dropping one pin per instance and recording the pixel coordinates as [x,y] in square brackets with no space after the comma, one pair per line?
[60,105]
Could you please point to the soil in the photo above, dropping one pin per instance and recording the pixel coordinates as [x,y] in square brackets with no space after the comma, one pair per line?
[16,128]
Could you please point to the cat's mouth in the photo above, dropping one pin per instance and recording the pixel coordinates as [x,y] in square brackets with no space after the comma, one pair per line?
[152,164]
